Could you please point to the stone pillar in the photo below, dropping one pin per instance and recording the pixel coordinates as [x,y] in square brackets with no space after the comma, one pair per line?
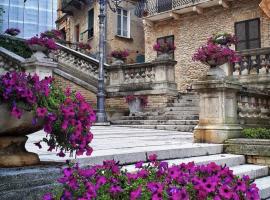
[218,111]
[39,64]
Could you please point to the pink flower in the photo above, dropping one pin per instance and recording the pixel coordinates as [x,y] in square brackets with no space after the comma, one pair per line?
[136,194]
[152,158]
[41,112]
[16,112]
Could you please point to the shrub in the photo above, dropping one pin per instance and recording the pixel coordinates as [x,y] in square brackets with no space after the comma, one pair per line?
[256,133]
[16,46]
[154,181]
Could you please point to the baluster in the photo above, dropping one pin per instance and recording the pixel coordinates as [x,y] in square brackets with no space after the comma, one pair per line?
[262,68]
[245,66]
[253,65]
[237,69]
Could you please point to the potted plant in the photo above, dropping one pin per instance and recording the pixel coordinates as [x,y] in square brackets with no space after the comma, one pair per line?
[52,34]
[217,52]
[164,49]
[119,56]
[28,104]
[84,47]
[136,104]
[41,44]
[12,31]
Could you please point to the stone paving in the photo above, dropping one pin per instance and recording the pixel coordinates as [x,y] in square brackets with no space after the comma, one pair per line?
[112,140]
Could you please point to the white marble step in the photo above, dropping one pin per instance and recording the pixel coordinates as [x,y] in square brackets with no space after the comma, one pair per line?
[221,159]
[253,171]
[264,186]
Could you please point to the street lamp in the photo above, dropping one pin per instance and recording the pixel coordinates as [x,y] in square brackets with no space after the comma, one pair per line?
[101,114]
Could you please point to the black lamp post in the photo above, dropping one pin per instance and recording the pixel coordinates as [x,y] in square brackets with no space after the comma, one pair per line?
[101,114]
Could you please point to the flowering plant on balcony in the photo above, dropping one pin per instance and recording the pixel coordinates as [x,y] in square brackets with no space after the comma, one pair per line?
[143,99]
[166,47]
[52,34]
[156,181]
[66,116]
[84,46]
[120,54]
[12,31]
[44,42]
[223,39]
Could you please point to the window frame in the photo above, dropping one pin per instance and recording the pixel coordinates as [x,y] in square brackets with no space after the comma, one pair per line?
[165,38]
[248,40]
[122,23]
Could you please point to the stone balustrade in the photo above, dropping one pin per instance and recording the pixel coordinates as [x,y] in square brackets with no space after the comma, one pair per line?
[142,78]
[10,61]
[71,60]
[253,69]
[253,107]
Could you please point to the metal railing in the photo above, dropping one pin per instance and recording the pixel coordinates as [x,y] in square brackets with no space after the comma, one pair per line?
[152,7]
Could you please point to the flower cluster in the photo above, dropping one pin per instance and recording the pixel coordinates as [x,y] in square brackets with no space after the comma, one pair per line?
[156,181]
[52,34]
[66,115]
[68,118]
[84,46]
[22,91]
[131,98]
[119,54]
[223,39]
[166,47]
[12,31]
[217,51]
[42,41]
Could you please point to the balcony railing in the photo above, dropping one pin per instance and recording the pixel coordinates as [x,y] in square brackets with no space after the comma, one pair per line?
[69,5]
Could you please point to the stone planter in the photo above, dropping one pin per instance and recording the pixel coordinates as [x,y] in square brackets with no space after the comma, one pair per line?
[117,61]
[13,133]
[163,56]
[135,107]
[216,70]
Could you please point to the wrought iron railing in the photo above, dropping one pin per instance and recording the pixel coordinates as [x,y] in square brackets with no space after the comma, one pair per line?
[152,7]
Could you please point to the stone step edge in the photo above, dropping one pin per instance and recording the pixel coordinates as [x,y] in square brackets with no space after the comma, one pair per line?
[264,187]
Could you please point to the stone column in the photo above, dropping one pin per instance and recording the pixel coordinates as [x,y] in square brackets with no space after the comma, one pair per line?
[39,64]
[218,111]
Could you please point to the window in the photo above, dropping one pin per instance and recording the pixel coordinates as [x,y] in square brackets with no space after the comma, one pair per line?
[90,23]
[168,39]
[248,34]
[123,23]
[77,33]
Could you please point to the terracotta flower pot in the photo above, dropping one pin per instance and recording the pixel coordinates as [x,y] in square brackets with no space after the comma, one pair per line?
[13,133]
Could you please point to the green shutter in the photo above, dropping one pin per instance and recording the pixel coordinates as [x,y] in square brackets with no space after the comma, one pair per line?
[90,23]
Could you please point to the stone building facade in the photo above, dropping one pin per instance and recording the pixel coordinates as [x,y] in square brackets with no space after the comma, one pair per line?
[194,25]
[73,19]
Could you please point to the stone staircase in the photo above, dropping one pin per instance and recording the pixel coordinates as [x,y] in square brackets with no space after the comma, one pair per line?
[181,115]
[31,182]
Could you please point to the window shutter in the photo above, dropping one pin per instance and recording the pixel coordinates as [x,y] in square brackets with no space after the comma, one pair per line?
[90,23]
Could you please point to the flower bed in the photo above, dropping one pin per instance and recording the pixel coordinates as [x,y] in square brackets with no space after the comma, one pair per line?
[154,181]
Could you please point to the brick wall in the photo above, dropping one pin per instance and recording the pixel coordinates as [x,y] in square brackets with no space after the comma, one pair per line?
[192,30]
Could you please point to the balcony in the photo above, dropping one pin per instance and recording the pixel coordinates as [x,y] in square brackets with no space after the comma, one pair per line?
[68,6]
[156,10]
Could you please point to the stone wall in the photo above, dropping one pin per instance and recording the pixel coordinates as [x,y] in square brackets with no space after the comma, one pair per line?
[135,43]
[192,30]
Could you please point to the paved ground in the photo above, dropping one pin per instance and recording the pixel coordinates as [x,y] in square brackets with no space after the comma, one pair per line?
[114,140]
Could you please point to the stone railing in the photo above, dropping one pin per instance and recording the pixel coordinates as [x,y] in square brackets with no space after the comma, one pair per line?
[253,69]
[10,61]
[253,107]
[73,61]
[142,78]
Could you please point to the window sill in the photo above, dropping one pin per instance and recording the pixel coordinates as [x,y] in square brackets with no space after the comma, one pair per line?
[124,38]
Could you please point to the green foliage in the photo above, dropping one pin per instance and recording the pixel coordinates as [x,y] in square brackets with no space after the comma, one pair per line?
[256,133]
[15,45]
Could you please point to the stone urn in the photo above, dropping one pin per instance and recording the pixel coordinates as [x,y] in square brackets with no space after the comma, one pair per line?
[135,106]
[163,56]
[13,133]
[215,69]
[117,61]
